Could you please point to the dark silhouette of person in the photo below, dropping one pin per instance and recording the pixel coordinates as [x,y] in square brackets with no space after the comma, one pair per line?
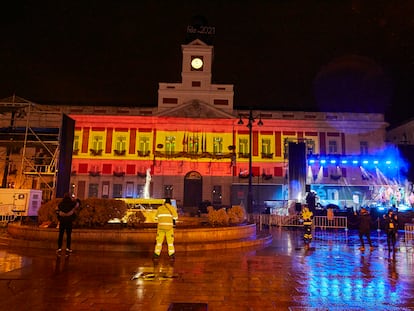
[391,228]
[65,212]
[364,228]
[311,201]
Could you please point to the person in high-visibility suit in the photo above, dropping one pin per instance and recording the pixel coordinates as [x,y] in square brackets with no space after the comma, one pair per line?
[307,216]
[166,217]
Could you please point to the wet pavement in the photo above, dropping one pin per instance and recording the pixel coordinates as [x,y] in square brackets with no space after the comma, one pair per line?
[333,275]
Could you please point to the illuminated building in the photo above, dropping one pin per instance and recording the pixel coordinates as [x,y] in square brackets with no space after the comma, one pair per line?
[197,151]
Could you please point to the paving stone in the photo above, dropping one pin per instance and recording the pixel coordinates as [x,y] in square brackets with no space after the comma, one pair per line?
[333,275]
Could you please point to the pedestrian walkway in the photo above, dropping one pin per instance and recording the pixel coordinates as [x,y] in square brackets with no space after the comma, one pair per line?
[333,275]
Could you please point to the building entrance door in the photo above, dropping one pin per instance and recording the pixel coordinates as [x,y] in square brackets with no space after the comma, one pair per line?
[193,189]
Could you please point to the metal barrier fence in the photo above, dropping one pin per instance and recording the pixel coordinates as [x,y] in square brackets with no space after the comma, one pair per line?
[7,218]
[338,222]
[409,234]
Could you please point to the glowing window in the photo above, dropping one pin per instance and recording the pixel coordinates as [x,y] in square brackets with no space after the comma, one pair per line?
[193,144]
[170,144]
[243,146]
[97,142]
[266,146]
[144,144]
[120,143]
[76,142]
[217,144]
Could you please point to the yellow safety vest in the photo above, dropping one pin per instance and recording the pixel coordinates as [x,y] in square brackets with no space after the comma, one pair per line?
[165,215]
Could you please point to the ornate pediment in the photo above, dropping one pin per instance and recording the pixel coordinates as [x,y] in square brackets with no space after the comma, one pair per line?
[196,109]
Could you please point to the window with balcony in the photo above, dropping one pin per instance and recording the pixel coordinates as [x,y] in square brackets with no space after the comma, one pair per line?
[97,145]
[120,145]
[266,148]
[76,144]
[144,146]
[217,145]
[243,147]
[170,145]
[193,144]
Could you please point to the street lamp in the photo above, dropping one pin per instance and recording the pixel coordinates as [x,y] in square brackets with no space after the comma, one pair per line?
[250,127]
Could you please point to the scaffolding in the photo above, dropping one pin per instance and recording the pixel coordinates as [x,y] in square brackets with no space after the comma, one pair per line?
[29,145]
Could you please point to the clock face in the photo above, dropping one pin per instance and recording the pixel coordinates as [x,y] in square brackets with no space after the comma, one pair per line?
[197,63]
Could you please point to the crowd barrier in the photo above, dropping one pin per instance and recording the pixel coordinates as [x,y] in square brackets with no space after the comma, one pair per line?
[337,222]
[409,234]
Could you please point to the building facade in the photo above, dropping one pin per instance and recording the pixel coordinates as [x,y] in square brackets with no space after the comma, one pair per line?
[194,146]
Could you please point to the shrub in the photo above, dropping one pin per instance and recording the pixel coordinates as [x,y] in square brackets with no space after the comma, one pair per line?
[234,215]
[47,211]
[92,212]
[97,212]
[237,214]
[217,217]
[134,219]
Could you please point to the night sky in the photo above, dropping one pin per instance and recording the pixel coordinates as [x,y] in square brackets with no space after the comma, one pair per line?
[324,55]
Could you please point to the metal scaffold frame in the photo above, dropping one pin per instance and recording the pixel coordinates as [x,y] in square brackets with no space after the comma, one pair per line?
[29,145]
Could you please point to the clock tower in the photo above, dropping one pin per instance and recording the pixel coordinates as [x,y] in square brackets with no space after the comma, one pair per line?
[197,61]
[196,86]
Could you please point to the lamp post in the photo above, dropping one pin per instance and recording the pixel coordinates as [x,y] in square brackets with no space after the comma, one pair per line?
[249,125]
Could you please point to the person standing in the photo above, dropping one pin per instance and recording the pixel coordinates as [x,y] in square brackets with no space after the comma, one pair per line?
[65,213]
[364,228]
[330,216]
[166,217]
[306,217]
[391,228]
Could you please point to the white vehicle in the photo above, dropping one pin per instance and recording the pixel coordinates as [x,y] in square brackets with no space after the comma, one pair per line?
[19,202]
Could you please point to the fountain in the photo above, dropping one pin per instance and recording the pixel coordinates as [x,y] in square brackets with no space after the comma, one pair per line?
[147,205]
[147,184]
[188,238]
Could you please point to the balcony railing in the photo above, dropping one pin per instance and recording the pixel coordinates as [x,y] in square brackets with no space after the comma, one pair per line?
[267,155]
[119,152]
[96,152]
[143,153]
[193,155]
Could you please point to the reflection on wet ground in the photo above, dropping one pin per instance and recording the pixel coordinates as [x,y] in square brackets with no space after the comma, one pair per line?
[332,275]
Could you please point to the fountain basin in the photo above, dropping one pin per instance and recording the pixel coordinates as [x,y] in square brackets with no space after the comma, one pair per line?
[138,240]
